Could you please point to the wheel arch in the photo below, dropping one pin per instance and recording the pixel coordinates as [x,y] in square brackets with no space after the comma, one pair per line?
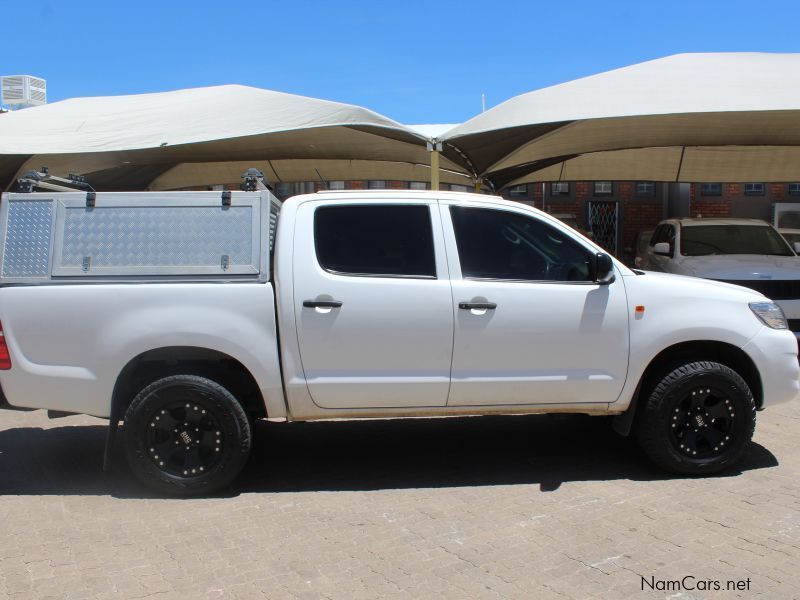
[681,353]
[156,363]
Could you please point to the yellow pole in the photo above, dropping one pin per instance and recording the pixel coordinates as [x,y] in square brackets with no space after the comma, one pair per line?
[434,169]
[478,186]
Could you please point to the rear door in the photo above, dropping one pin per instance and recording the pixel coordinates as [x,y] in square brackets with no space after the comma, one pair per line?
[531,325]
[373,304]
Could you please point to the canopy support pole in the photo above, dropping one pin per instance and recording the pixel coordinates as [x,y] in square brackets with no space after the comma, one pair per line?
[434,148]
[478,182]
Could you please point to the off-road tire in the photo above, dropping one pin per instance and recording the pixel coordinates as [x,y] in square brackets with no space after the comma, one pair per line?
[698,419]
[186,435]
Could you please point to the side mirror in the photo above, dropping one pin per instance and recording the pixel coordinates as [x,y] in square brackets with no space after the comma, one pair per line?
[796,247]
[603,268]
[662,249]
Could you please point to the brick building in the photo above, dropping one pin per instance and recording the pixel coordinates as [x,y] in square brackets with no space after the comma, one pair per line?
[616,211]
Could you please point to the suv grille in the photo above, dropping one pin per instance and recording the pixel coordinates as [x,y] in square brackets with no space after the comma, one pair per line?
[794,324]
[774,289]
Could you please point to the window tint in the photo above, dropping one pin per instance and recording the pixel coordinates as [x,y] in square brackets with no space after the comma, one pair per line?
[494,244]
[375,240]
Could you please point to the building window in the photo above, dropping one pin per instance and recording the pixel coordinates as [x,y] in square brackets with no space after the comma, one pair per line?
[711,189]
[417,185]
[518,190]
[458,188]
[377,184]
[603,188]
[559,188]
[645,188]
[753,189]
[336,185]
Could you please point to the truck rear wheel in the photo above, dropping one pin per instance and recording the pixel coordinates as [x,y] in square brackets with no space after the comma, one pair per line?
[698,419]
[186,435]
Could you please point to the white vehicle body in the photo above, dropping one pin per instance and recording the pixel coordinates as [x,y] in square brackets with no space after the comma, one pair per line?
[777,277]
[394,345]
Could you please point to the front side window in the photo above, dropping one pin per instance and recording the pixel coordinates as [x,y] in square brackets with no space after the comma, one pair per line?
[664,233]
[703,240]
[375,240]
[495,244]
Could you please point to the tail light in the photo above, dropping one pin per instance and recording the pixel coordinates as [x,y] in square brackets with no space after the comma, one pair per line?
[5,357]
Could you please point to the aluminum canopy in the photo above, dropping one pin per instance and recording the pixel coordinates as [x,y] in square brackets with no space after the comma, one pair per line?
[688,117]
[127,142]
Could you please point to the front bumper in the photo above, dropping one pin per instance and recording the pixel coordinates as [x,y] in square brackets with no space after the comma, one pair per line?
[774,353]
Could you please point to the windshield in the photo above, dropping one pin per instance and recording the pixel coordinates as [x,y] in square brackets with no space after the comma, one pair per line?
[702,240]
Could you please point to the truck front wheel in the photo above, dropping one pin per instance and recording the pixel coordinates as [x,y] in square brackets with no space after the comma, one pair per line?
[186,435]
[698,419]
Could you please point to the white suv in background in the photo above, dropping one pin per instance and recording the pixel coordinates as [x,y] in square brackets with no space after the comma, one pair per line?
[746,252]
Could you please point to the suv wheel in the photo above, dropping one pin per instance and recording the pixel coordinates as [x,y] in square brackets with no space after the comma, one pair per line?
[186,435]
[698,419]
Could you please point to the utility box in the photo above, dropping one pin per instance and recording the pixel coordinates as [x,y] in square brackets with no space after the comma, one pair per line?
[78,236]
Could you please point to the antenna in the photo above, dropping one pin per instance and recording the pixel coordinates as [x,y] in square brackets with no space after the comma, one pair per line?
[322,179]
[483,102]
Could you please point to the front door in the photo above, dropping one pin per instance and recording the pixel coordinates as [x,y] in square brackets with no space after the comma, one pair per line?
[531,327]
[373,305]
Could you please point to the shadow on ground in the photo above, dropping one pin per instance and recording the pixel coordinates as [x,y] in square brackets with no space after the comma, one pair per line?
[546,450]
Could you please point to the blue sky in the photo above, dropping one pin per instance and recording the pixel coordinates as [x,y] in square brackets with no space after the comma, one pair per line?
[415,61]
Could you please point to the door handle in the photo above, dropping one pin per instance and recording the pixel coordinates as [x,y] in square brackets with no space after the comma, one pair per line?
[477,305]
[322,303]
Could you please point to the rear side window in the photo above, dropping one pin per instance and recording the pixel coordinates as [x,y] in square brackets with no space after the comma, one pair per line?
[375,240]
[495,244]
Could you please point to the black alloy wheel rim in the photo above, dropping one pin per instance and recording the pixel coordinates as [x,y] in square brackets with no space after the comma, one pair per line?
[701,424]
[184,438]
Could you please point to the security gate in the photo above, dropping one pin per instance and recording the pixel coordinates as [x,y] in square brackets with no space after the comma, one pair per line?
[603,223]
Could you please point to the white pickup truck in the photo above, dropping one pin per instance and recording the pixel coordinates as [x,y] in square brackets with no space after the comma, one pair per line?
[172,313]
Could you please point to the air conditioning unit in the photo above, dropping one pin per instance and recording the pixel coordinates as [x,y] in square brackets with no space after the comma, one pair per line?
[22,91]
[786,215]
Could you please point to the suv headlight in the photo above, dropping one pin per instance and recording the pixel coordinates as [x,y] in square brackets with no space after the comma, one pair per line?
[770,314]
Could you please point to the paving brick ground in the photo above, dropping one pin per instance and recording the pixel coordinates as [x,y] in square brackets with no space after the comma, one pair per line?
[490,507]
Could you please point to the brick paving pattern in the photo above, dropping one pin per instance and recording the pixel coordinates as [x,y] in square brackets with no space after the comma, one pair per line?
[487,507]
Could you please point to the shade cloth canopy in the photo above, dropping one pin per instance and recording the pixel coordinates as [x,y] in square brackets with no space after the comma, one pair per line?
[126,142]
[688,117]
